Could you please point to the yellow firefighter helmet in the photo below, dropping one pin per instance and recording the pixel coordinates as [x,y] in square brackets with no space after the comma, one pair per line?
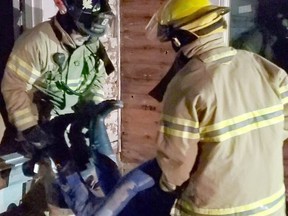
[198,17]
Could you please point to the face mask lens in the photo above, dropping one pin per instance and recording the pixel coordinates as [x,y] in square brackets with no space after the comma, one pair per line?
[163,33]
[95,24]
[103,18]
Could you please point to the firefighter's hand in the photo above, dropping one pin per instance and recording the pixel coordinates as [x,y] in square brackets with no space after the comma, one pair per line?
[91,109]
[86,108]
[37,137]
[85,111]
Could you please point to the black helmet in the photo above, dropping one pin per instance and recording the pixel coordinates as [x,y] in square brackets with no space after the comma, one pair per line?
[90,16]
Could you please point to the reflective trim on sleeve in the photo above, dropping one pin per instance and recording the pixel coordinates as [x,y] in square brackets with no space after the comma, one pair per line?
[23,69]
[24,119]
[284,94]
[21,113]
[73,83]
[262,207]
[179,127]
[98,95]
[242,124]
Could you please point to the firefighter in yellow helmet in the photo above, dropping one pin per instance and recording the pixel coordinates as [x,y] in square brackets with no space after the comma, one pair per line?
[223,121]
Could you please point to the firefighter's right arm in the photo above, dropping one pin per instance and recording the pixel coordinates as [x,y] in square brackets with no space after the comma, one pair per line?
[22,70]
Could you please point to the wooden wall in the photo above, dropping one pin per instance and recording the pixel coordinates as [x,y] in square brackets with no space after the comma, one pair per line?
[143,64]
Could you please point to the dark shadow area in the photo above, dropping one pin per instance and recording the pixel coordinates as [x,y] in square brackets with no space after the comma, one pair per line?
[6,44]
[262,29]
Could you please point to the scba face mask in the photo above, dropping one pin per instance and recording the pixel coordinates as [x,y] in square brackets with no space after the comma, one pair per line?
[92,17]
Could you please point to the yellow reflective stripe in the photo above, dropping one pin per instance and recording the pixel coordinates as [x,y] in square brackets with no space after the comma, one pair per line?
[178,133]
[273,209]
[23,70]
[284,94]
[19,113]
[243,130]
[241,210]
[179,127]
[23,76]
[73,83]
[22,123]
[219,56]
[23,117]
[180,121]
[241,118]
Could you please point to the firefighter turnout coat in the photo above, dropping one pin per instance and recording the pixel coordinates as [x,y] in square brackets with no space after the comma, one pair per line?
[45,59]
[222,131]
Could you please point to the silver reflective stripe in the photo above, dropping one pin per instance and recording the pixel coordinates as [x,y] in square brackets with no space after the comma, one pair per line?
[242,124]
[23,70]
[262,207]
[180,127]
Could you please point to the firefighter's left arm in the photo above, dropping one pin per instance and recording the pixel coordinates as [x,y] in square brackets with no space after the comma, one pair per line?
[176,158]
[178,140]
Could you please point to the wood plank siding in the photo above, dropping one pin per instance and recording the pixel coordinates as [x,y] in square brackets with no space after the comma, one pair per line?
[143,64]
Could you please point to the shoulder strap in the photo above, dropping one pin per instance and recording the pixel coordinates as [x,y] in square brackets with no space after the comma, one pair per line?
[102,54]
[55,29]
[158,91]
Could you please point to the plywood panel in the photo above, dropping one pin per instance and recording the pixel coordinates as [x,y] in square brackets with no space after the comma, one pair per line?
[143,64]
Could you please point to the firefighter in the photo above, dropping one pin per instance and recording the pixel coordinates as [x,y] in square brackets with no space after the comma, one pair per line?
[223,121]
[58,67]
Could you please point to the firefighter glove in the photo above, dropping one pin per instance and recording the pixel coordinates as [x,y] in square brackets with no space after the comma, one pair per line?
[37,137]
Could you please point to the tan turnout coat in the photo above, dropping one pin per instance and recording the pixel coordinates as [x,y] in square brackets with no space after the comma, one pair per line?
[223,126]
[45,59]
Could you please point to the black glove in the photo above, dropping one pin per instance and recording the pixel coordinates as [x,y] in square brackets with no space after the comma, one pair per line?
[36,141]
[86,108]
[91,109]
[84,111]
[37,137]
